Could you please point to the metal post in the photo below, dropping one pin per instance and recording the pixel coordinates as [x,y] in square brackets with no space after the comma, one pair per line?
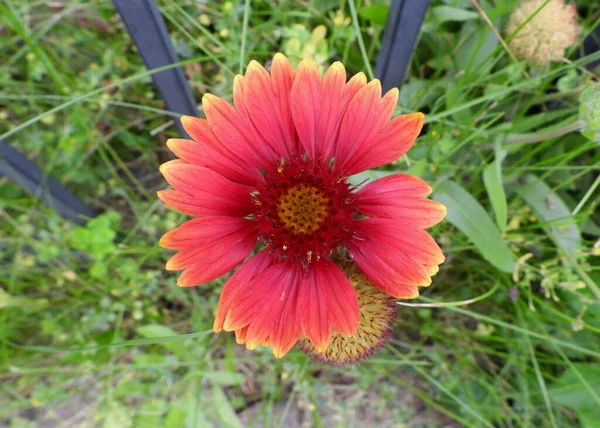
[399,38]
[147,29]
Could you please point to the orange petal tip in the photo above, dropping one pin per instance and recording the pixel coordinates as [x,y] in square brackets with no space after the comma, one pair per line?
[169,164]
[254,66]
[360,77]
[337,67]
[394,92]
[279,57]
[252,344]
[419,118]
[208,100]
[187,120]
[375,82]
[278,353]
[307,63]
[414,294]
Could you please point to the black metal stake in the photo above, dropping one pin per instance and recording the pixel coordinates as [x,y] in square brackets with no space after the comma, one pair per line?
[147,29]
[27,175]
[399,39]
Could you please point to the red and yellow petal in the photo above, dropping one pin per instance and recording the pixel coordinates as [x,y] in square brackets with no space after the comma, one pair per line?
[400,196]
[319,104]
[314,318]
[327,300]
[306,104]
[265,100]
[336,94]
[287,329]
[282,79]
[210,247]
[242,277]
[391,143]
[366,116]
[263,304]
[206,150]
[235,132]
[200,191]
[396,258]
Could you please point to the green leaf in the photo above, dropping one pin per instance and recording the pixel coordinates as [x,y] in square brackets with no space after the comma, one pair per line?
[551,208]
[152,331]
[469,216]
[6,301]
[449,13]
[492,178]
[224,409]
[569,391]
[175,418]
[479,42]
[376,13]
[224,378]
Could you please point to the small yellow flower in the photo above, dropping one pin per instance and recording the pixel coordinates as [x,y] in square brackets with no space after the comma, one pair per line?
[204,19]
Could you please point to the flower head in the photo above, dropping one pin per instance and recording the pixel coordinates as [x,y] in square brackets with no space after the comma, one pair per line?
[544,37]
[377,318]
[272,169]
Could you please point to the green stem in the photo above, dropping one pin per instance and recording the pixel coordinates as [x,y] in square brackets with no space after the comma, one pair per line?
[361,43]
[537,138]
[244,34]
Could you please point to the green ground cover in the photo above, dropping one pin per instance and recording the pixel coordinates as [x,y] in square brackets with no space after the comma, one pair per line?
[94,331]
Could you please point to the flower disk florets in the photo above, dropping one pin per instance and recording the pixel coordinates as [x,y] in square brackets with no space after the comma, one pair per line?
[304,211]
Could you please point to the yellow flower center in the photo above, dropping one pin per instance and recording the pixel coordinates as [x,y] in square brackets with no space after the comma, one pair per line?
[303,209]
[377,318]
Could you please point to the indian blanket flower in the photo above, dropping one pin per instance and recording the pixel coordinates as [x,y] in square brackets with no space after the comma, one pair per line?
[272,170]
[377,318]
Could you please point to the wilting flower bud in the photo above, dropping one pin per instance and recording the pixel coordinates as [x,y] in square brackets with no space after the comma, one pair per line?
[377,318]
[545,37]
[589,112]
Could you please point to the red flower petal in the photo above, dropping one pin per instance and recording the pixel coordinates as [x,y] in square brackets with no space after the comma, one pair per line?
[396,258]
[263,304]
[234,131]
[400,196]
[204,232]
[318,105]
[206,150]
[210,247]
[266,100]
[314,318]
[201,191]
[306,104]
[244,275]
[395,140]
[282,78]
[366,116]
[327,299]
[336,94]
[342,302]
[240,335]
[287,330]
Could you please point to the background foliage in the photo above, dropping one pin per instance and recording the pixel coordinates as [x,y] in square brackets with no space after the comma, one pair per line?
[94,332]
